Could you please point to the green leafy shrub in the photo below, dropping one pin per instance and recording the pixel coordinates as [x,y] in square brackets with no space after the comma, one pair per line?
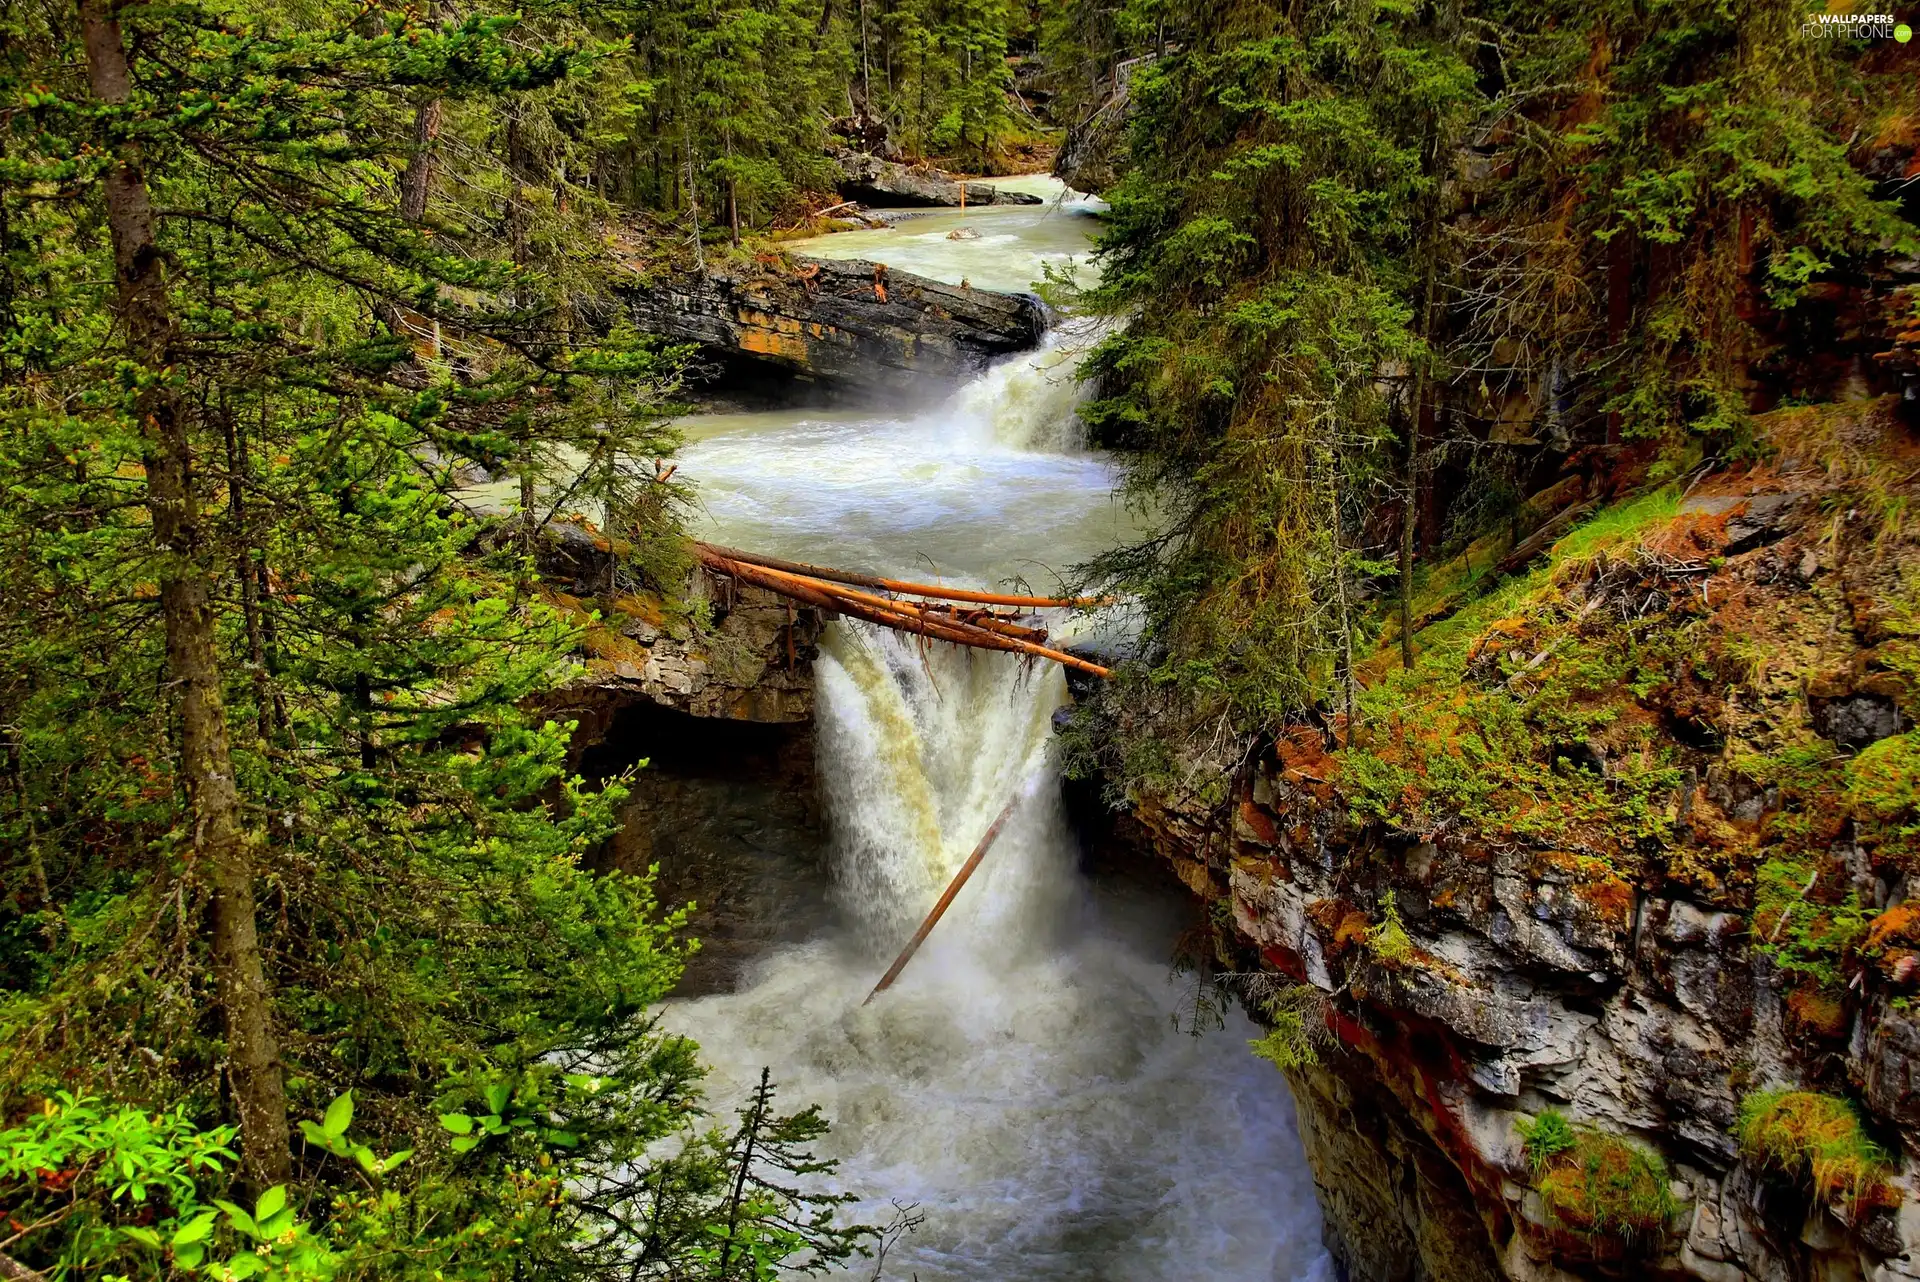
[118,1193]
[1387,939]
[1803,935]
[1295,1026]
[1817,1140]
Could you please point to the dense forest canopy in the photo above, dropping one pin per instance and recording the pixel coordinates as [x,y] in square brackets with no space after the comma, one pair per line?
[301,971]
[1381,260]
[293,862]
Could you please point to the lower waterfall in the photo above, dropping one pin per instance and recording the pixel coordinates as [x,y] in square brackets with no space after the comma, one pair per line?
[1023,1083]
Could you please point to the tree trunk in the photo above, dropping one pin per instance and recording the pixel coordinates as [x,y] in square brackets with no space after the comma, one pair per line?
[518,165]
[243,559]
[418,179]
[866,66]
[1619,307]
[220,844]
[1410,514]
[755,1120]
[733,199]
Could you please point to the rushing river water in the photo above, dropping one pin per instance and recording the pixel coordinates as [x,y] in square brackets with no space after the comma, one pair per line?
[1023,1083]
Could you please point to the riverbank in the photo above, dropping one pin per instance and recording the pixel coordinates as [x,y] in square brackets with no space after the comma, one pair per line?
[1624,848]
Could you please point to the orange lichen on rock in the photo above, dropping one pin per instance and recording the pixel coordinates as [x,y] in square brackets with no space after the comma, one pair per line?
[1893,942]
[1303,757]
[1898,925]
[1611,896]
[1327,913]
[1818,1012]
[1259,823]
[1352,929]
[645,607]
[605,643]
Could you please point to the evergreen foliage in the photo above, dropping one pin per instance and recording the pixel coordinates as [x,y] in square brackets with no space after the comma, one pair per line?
[1358,245]
[283,830]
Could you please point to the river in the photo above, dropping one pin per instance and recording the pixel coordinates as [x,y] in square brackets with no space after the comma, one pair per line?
[1023,1083]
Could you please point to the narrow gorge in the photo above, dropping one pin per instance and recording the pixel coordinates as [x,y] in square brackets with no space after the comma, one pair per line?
[1026,1085]
[1511,979]
[959,641]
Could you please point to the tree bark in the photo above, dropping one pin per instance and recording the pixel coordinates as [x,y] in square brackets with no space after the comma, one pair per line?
[1410,515]
[220,843]
[418,178]
[518,165]
[243,562]
[1619,307]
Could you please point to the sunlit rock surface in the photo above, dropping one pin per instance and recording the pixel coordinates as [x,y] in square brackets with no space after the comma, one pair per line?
[868,178]
[729,651]
[848,324]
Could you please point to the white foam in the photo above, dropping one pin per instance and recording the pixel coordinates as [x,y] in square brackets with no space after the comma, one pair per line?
[1022,1082]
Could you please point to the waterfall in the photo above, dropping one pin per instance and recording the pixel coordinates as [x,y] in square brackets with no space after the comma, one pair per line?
[920,747]
[1027,402]
[1022,1082]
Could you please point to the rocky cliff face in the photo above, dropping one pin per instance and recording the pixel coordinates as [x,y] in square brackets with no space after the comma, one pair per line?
[724,651]
[849,325]
[869,178]
[1629,850]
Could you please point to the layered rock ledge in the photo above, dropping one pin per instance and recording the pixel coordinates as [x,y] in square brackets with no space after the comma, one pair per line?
[874,181]
[846,324]
[724,650]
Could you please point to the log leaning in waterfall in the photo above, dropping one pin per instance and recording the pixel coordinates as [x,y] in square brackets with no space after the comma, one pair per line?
[989,633]
[946,898]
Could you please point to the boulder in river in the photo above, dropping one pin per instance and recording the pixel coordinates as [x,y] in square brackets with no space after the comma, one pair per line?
[868,178]
[849,324]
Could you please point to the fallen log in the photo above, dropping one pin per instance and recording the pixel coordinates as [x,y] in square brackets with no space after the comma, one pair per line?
[1546,536]
[988,620]
[936,614]
[897,585]
[946,898]
[838,600]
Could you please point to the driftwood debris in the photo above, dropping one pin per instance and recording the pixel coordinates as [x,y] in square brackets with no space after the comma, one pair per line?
[946,897]
[939,615]
[896,585]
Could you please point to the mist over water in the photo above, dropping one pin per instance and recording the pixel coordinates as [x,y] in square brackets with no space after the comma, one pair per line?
[988,485]
[1022,1082]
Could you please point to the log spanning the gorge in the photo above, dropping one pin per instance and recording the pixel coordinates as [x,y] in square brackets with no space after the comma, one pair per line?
[957,615]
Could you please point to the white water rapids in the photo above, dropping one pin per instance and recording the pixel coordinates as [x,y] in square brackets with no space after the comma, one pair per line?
[1022,1083]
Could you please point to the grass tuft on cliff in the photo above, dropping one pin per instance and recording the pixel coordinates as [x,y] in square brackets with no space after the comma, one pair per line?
[1596,1185]
[1816,1140]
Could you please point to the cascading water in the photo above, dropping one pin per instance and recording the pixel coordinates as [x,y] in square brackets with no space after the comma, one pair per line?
[1022,1082]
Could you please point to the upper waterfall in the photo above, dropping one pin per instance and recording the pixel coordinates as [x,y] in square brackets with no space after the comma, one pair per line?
[1022,1083]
